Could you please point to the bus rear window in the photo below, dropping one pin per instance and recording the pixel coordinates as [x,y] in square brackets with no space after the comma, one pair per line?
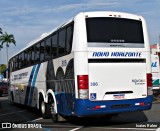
[113,31]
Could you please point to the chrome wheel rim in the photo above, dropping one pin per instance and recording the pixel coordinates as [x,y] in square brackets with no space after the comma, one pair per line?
[43,107]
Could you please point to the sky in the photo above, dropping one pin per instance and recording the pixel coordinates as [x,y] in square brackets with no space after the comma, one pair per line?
[29,19]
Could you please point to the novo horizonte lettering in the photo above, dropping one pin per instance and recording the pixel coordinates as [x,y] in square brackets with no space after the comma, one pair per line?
[116,54]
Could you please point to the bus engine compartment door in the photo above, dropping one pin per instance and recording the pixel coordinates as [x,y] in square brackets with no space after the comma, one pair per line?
[117,81]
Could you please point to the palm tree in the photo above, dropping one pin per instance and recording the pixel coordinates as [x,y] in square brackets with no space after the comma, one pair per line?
[7,39]
[0,48]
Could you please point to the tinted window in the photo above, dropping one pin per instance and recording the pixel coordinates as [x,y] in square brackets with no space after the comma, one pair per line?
[61,44]
[16,67]
[54,46]
[42,51]
[114,30]
[32,55]
[37,52]
[14,63]
[69,38]
[26,60]
[48,48]
[22,60]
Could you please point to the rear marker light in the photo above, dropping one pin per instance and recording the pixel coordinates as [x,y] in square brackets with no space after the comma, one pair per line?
[149,80]
[149,84]
[140,104]
[82,81]
[103,106]
[99,107]
[96,107]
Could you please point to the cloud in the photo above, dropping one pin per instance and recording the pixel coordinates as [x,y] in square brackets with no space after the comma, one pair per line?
[28,19]
[26,10]
[69,7]
[17,11]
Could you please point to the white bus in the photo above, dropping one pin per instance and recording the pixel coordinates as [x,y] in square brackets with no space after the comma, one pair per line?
[97,63]
[155,72]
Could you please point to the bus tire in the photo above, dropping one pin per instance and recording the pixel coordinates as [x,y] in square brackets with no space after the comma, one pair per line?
[45,110]
[12,98]
[57,118]
[1,94]
[54,115]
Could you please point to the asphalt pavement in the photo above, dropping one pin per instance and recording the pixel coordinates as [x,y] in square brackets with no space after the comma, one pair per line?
[20,117]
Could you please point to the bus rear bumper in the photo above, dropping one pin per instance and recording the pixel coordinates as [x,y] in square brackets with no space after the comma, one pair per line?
[91,108]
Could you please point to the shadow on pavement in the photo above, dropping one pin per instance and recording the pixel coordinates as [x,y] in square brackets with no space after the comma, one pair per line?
[121,119]
[16,113]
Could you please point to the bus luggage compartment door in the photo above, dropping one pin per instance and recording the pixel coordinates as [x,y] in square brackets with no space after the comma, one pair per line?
[117,81]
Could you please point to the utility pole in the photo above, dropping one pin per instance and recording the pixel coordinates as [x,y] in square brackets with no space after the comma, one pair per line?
[158,44]
[159,39]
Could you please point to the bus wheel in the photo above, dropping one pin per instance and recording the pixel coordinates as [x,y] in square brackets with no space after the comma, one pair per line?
[45,110]
[12,98]
[53,113]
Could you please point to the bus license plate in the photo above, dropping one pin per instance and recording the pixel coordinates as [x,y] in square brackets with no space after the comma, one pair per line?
[119,96]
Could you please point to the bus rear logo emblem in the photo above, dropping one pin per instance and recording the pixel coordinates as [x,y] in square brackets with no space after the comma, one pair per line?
[93,96]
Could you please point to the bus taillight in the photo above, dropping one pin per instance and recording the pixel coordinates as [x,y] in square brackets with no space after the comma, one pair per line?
[149,84]
[83,86]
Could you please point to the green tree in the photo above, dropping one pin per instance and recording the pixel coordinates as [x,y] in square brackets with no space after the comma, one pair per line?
[1,30]
[2,68]
[7,39]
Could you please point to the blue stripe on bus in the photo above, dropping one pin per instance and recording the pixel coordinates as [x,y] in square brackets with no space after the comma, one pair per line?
[29,85]
[33,84]
[87,107]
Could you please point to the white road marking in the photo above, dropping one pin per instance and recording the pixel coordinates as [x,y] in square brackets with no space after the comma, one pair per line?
[66,126]
[62,126]
[32,120]
[36,119]
[11,113]
[75,129]
[141,129]
[158,129]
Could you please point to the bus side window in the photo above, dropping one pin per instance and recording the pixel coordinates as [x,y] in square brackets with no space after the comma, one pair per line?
[69,38]
[42,51]
[16,62]
[26,58]
[37,53]
[29,56]
[13,63]
[48,48]
[22,65]
[61,43]
[32,55]
[19,61]
[54,46]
